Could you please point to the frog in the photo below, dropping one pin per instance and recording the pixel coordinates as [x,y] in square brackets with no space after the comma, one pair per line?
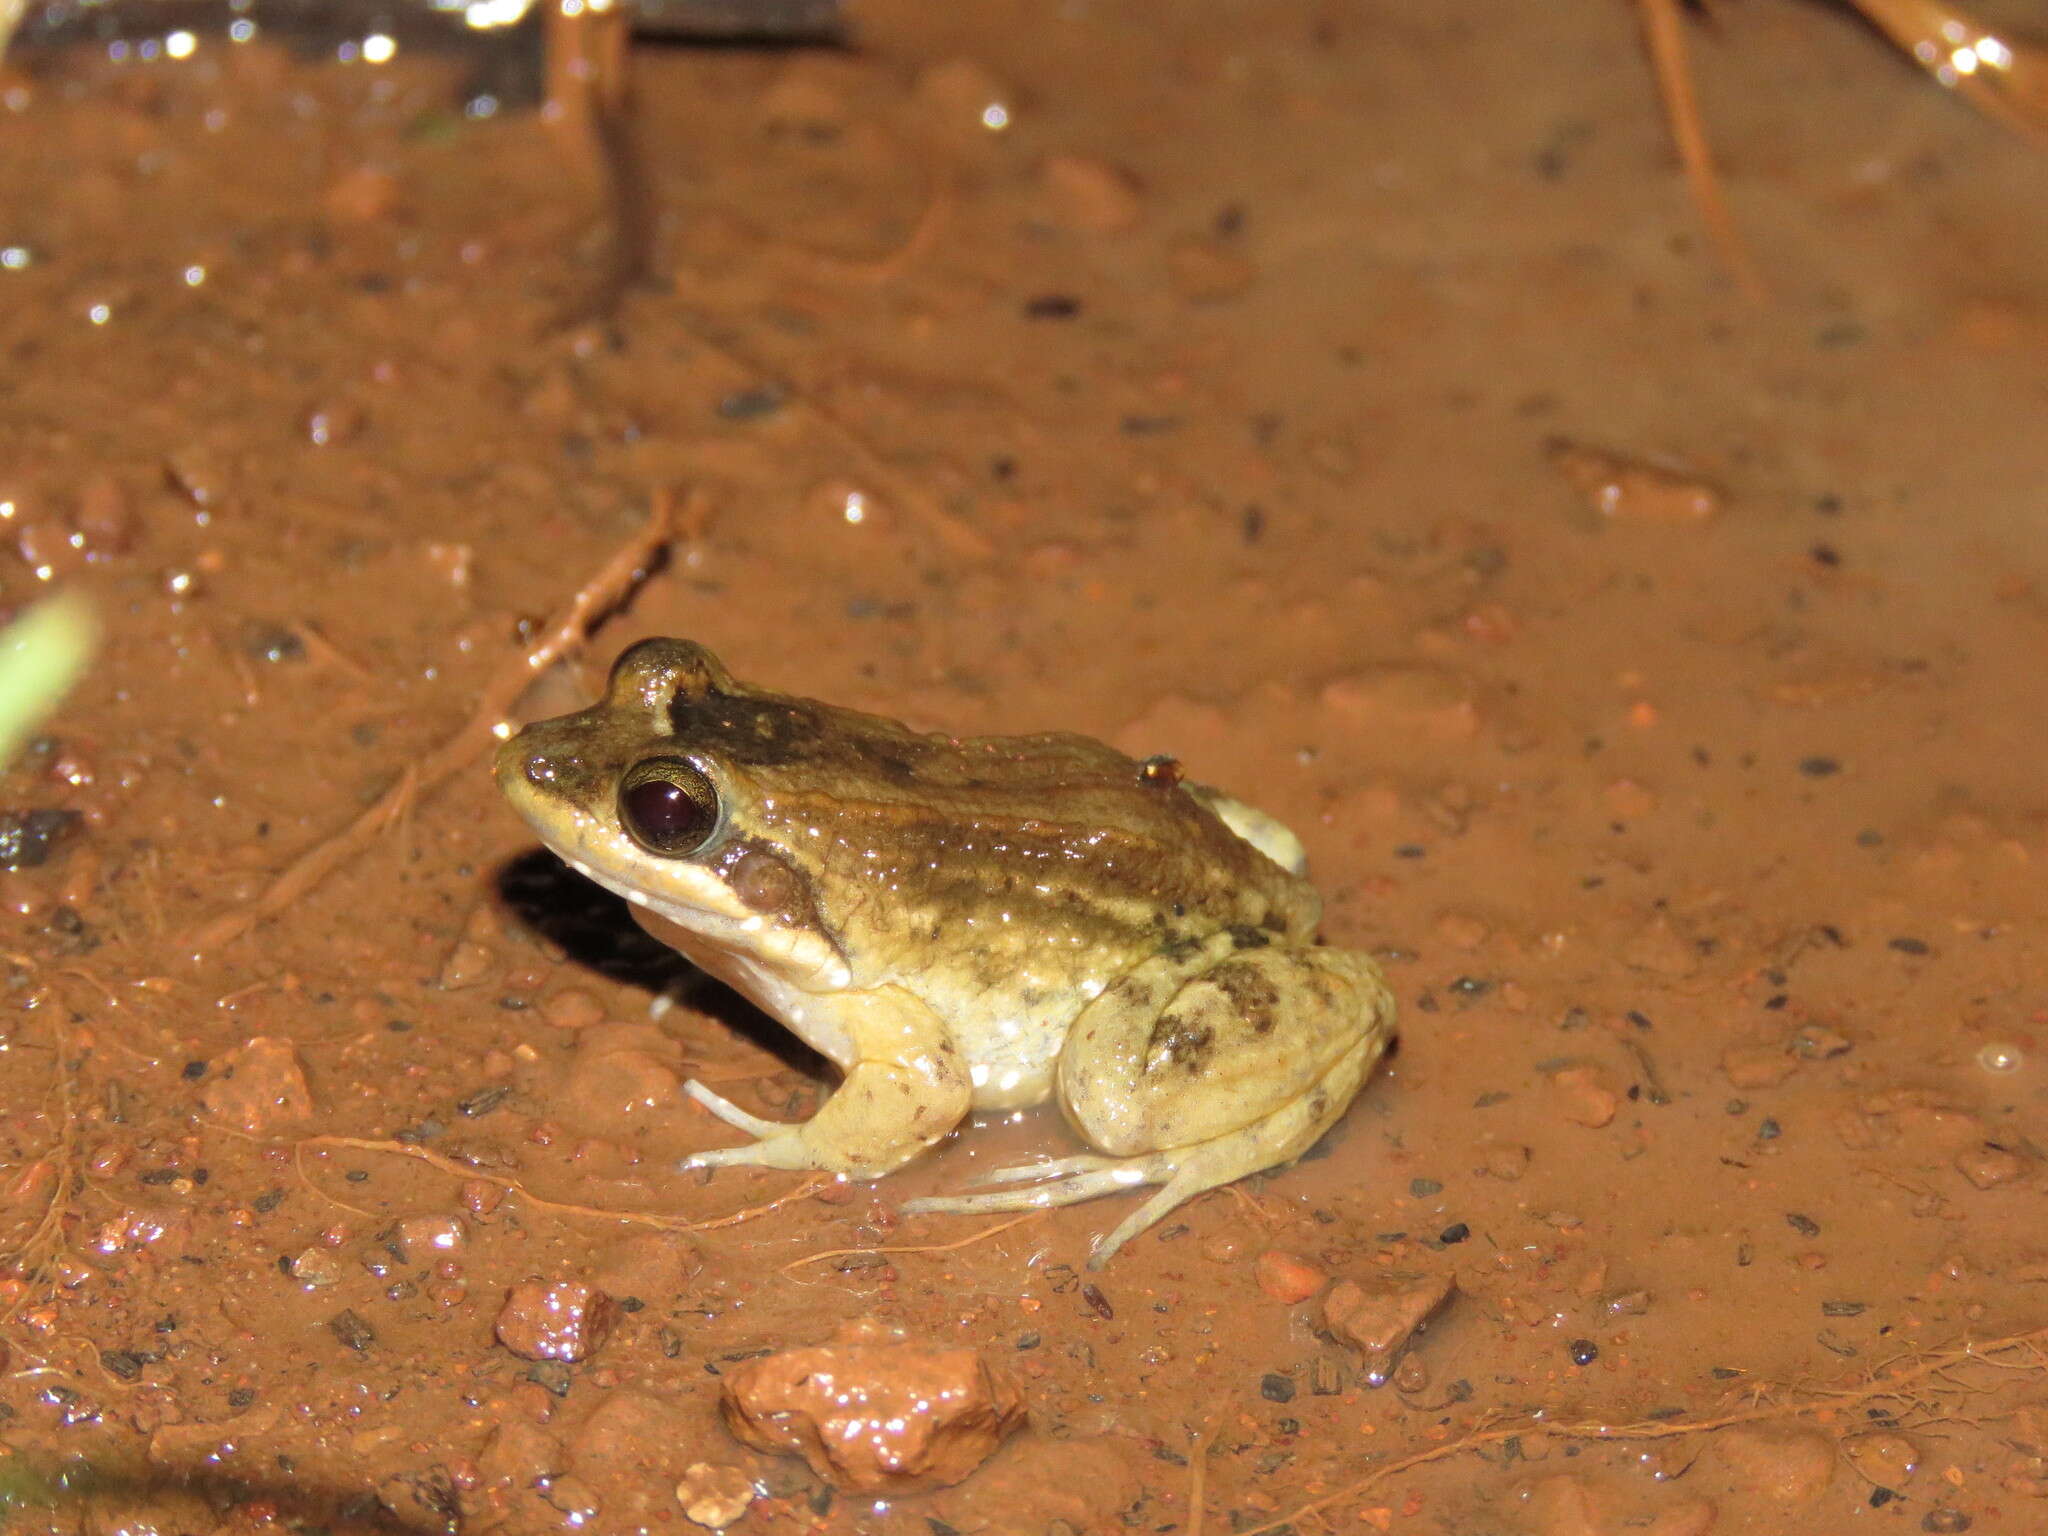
[965,924]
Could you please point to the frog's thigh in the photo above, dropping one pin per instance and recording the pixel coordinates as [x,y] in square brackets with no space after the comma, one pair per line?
[1264,1046]
[906,1089]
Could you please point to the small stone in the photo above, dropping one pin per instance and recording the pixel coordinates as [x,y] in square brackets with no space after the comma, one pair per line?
[1625,489]
[351,1330]
[566,1320]
[1987,1166]
[1787,1465]
[1276,1388]
[468,964]
[317,1267]
[714,1496]
[1504,1160]
[28,838]
[1461,930]
[1884,1457]
[1379,1315]
[1819,1042]
[874,1411]
[1287,1279]
[426,1240]
[258,1086]
[1946,1520]
[1750,1067]
[1586,1095]
[572,1008]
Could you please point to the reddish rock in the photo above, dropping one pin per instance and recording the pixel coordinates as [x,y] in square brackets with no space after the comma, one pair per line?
[258,1086]
[1378,1316]
[1286,1278]
[567,1320]
[874,1411]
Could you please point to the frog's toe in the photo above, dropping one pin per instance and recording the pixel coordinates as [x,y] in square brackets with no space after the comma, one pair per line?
[1060,1183]
[731,1113]
[1051,1168]
[785,1149]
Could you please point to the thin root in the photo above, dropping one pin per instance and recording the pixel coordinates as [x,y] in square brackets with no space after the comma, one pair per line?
[960,1242]
[1898,1384]
[449,1166]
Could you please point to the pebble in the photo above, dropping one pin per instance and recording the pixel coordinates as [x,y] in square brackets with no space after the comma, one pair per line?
[565,1320]
[1379,1315]
[1751,1067]
[1460,930]
[1090,195]
[1884,1457]
[1586,1095]
[317,1267]
[572,1008]
[468,964]
[1626,489]
[28,838]
[874,1411]
[1987,1166]
[1787,1465]
[1504,1160]
[712,1495]
[258,1086]
[426,1239]
[1286,1278]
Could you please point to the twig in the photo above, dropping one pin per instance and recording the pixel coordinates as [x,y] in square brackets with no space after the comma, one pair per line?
[597,597]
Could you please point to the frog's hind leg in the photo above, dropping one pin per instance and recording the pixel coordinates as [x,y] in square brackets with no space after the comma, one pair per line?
[1199,1069]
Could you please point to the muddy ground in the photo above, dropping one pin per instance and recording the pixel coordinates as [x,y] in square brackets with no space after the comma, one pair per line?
[1234,381]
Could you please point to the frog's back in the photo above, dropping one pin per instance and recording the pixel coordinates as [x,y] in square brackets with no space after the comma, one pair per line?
[1094,847]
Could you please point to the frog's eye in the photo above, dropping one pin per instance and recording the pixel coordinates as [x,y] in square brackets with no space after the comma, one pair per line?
[668,807]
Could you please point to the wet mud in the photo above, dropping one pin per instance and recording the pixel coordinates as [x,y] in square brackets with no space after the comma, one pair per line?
[1344,401]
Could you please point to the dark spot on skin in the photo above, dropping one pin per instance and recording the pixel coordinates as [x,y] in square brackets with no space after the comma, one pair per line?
[1255,999]
[1248,938]
[1179,947]
[1182,1043]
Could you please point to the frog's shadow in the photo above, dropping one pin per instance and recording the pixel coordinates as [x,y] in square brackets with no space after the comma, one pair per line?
[595,930]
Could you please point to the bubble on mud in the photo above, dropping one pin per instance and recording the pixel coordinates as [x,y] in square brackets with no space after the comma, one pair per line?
[2001,1056]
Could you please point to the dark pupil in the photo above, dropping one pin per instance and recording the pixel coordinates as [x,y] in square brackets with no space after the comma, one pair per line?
[665,816]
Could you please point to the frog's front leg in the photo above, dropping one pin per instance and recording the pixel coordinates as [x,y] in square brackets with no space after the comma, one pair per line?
[1195,1070]
[905,1089]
